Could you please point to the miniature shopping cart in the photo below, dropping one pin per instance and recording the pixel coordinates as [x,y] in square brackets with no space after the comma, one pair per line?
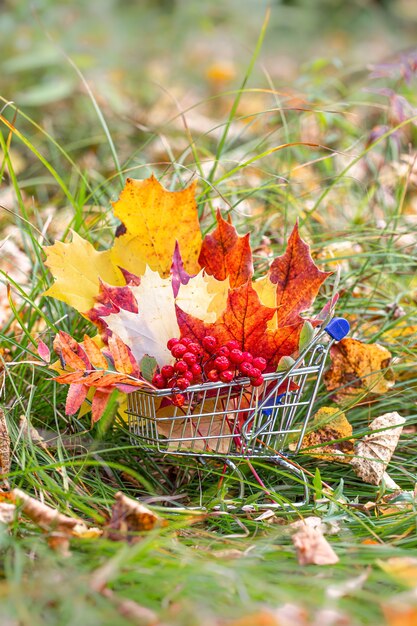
[236,421]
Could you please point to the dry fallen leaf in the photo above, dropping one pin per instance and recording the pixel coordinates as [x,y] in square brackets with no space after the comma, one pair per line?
[403,569]
[399,614]
[129,517]
[60,527]
[7,512]
[373,453]
[4,449]
[328,425]
[312,547]
[358,369]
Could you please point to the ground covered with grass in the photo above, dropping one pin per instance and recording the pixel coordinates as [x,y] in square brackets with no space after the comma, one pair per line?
[272,133]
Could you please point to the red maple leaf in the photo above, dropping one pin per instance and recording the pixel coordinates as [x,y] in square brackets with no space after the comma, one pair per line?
[225,254]
[297,278]
[245,320]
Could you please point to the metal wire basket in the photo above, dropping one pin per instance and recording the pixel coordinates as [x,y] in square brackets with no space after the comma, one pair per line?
[234,420]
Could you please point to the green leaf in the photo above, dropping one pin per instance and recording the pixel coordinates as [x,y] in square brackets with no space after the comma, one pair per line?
[306,335]
[318,484]
[148,367]
[285,363]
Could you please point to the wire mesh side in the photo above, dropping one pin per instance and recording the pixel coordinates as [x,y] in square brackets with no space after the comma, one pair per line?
[231,419]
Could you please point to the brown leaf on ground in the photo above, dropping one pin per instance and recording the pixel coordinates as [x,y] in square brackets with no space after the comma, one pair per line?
[4,450]
[358,369]
[312,548]
[373,453]
[130,517]
[329,425]
[60,527]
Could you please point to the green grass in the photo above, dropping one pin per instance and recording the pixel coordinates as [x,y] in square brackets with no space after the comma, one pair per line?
[256,158]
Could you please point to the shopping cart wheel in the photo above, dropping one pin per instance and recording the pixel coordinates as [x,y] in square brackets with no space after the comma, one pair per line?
[297,471]
[234,469]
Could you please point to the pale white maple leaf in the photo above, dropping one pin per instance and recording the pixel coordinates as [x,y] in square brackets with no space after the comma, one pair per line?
[204,297]
[148,331]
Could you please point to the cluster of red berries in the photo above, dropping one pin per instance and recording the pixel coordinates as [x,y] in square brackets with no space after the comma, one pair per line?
[210,362]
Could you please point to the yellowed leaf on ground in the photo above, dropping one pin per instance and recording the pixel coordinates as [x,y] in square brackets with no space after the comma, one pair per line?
[373,453]
[402,569]
[154,219]
[312,547]
[358,369]
[329,424]
[77,267]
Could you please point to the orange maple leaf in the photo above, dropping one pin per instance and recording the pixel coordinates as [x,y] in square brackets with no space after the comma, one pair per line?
[224,254]
[245,320]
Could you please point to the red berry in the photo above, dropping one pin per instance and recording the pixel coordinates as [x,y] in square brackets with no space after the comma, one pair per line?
[260,363]
[221,363]
[233,345]
[247,357]
[167,371]
[182,383]
[257,382]
[194,348]
[245,368]
[181,367]
[213,376]
[159,381]
[254,372]
[196,370]
[189,376]
[171,383]
[172,342]
[209,343]
[186,341]
[227,376]
[178,399]
[189,358]
[178,350]
[224,351]
[236,356]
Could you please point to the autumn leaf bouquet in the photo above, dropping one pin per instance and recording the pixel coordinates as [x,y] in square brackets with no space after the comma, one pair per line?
[174,309]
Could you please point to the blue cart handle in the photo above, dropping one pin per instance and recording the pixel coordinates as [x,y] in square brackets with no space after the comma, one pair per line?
[338,328]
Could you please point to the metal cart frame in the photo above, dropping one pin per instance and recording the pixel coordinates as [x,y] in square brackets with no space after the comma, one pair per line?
[235,421]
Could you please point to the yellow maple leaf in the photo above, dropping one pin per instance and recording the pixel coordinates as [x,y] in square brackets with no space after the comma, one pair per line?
[154,219]
[76,267]
[267,293]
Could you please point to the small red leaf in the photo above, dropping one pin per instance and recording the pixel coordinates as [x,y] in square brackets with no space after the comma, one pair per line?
[44,351]
[75,397]
[94,353]
[225,254]
[99,403]
[70,352]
